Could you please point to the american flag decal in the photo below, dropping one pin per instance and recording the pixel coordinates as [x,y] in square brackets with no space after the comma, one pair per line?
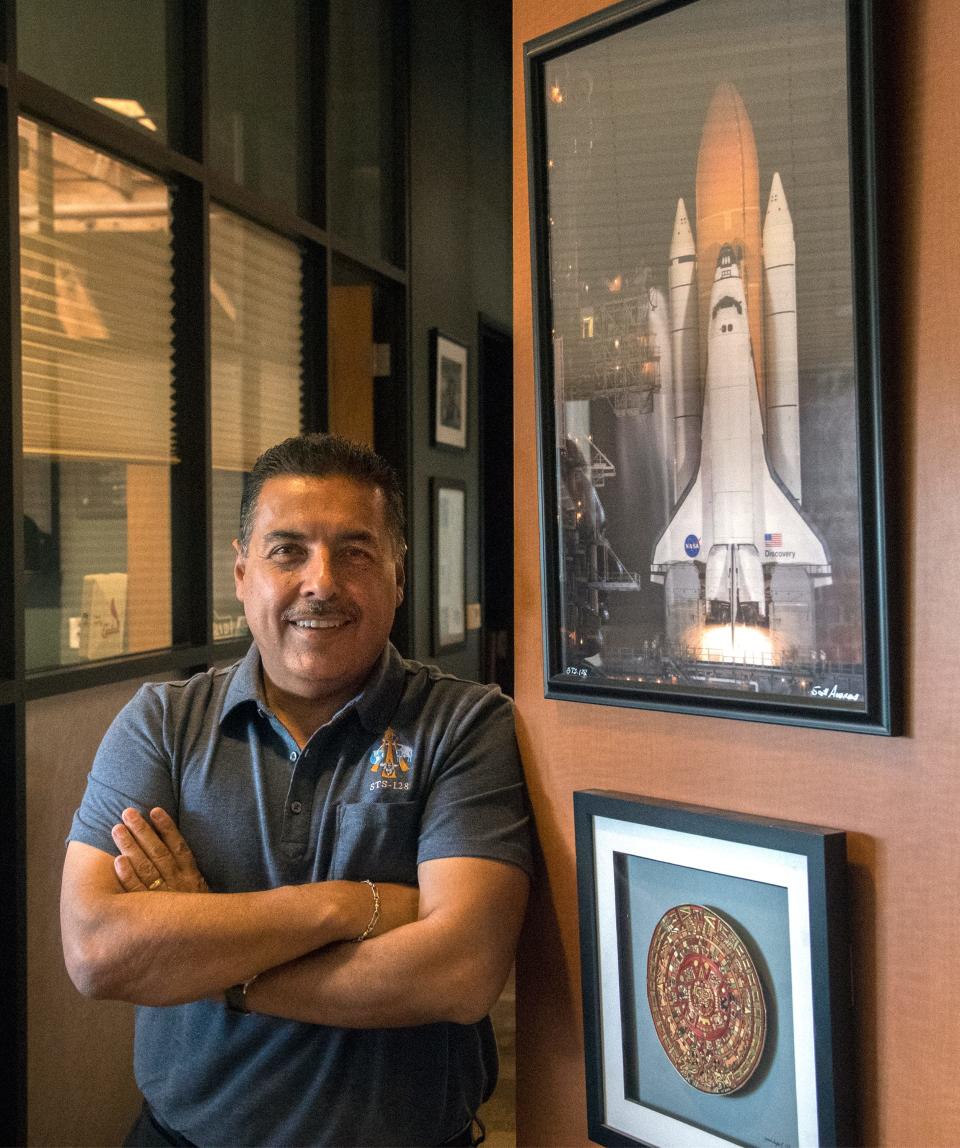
[773,539]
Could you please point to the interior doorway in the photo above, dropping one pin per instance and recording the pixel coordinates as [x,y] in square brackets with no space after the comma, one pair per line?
[495,388]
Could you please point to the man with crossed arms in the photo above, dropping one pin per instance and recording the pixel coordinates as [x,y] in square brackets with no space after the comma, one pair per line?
[331,793]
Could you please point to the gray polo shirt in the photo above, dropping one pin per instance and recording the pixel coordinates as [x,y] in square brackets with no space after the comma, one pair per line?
[420,765]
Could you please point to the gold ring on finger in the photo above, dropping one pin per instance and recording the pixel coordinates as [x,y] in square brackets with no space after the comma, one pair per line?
[159,881]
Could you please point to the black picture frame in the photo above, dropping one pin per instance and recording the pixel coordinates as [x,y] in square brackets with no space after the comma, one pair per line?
[783,887]
[450,375]
[711,548]
[448,526]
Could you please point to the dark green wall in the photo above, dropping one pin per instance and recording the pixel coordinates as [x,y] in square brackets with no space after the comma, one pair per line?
[460,254]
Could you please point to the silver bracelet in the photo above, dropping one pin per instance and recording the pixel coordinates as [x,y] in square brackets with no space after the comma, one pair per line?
[376,912]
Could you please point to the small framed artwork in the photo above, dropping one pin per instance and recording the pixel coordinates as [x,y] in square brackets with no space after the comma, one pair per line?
[448,368]
[448,499]
[716,976]
[714,523]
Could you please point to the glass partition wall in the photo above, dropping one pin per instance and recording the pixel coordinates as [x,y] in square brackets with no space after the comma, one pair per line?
[96,275]
[176,296]
[256,288]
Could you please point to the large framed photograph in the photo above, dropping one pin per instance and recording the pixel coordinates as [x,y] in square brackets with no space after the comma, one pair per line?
[705,317]
[716,988]
[448,497]
[448,369]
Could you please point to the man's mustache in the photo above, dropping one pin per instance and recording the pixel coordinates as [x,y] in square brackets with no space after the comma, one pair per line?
[308,611]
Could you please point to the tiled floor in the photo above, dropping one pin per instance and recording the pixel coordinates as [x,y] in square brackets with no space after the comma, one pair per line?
[499,1113]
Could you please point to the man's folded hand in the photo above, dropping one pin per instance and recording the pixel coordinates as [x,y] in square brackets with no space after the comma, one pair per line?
[154,855]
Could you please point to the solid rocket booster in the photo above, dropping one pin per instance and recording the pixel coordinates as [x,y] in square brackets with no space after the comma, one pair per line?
[779,264]
[728,210]
[736,514]
[681,280]
[658,332]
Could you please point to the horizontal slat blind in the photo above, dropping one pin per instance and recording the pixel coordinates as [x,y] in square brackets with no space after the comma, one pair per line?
[256,289]
[96,303]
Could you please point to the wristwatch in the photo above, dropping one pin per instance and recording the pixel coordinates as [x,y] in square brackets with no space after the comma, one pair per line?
[235,997]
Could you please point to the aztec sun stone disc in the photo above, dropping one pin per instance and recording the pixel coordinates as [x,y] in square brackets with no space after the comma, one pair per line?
[706,999]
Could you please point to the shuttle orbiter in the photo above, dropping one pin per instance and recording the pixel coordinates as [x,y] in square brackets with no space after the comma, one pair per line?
[737,515]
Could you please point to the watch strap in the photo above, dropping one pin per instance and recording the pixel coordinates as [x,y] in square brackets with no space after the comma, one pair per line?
[235,997]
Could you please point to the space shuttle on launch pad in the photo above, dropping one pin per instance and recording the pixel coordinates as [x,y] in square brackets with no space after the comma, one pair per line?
[733,389]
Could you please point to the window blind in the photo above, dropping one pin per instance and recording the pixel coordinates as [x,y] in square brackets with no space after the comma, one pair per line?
[96,276]
[256,300]
[256,290]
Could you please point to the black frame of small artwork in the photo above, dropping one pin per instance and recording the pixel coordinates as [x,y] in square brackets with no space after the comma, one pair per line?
[611,825]
[437,486]
[455,442]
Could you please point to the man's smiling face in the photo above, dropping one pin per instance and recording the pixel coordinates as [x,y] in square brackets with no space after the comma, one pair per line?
[320,582]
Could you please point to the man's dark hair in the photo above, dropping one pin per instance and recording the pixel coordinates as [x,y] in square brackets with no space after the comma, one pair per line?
[325,456]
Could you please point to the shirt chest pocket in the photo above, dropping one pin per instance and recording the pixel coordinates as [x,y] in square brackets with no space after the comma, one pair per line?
[377,840]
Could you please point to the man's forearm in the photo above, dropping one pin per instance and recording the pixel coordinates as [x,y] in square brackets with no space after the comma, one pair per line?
[169,948]
[364,986]
[447,966]
[163,949]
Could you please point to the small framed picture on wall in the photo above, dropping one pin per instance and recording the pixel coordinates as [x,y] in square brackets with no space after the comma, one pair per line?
[449,513]
[448,369]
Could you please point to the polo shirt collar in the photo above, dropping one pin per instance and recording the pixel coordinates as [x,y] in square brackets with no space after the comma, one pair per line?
[381,695]
[245,683]
[374,705]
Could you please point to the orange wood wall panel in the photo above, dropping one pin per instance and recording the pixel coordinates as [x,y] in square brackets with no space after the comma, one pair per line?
[149,595]
[897,798]
[350,401]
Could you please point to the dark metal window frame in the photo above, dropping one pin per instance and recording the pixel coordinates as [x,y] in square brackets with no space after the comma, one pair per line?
[193,186]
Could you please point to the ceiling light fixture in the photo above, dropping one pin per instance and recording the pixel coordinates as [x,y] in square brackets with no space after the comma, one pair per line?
[132,109]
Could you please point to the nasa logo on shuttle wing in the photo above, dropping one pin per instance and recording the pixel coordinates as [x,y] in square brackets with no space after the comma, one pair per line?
[691,545]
